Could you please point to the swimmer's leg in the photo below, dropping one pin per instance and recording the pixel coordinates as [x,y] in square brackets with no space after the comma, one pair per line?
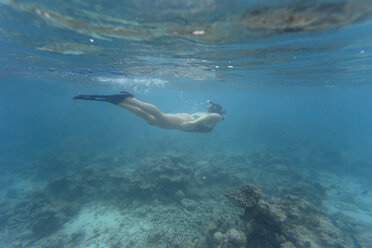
[114,99]
[140,113]
[146,107]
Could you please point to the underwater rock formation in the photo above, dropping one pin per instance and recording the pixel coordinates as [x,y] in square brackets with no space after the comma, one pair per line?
[41,213]
[285,222]
[231,239]
[286,173]
[189,204]
[246,196]
[166,180]
[177,189]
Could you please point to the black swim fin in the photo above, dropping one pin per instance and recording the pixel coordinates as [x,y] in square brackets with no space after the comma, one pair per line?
[114,99]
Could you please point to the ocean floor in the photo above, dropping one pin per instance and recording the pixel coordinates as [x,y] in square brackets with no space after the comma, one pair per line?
[176,200]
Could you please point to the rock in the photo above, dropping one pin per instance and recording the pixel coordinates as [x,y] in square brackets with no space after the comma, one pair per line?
[218,238]
[179,195]
[189,204]
[236,237]
[212,227]
[287,244]
[45,223]
[284,222]
[166,178]
[245,196]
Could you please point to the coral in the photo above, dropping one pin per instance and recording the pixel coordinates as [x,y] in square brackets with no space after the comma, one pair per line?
[236,238]
[285,222]
[285,172]
[179,195]
[189,204]
[45,223]
[168,179]
[162,178]
[218,238]
[287,244]
[244,197]
[41,213]
[233,238]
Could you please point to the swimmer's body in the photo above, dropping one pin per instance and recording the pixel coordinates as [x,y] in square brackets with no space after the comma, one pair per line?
[197,122]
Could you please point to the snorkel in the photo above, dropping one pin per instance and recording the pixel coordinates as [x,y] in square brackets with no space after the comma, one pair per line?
[216,108]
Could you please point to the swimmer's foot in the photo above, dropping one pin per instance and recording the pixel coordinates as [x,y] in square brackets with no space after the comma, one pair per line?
[114,99]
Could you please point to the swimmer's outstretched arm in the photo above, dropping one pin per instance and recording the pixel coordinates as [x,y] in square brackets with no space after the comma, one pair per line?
[209,120]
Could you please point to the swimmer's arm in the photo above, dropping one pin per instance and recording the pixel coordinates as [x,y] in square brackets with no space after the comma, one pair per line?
[209,120]
[198,115]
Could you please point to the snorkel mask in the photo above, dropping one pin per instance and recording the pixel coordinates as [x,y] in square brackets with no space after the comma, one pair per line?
[217,108]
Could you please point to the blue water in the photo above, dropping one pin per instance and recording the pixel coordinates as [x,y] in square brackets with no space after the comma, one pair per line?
[298,89]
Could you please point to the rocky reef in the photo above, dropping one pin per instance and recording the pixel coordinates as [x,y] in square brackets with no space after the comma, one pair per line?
[170,183]
[275,175]
[165,179]
[246,196]
[175,200]
[285,222]
[232,238]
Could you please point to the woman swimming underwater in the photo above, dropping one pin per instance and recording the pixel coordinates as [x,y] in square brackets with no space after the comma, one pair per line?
[197,122]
